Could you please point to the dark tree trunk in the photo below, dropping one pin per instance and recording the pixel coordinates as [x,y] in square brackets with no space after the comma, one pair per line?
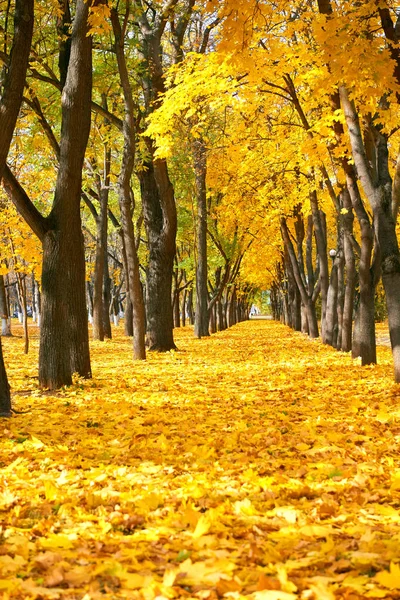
[5,396]
[176,300]
[183,307]
[189,306]
[331,322]
[10,103]
[126,200]
[231,308]
[64,341]
[160,222]
[320,238]
[106,297]
[101,250]
[4,313]
[200,170]
[220,316]
[337,339]
[213,319]
[350,267]
[21,291]
[307,301]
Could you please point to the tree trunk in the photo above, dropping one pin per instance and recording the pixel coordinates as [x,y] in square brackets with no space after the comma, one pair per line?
[320,238]
[160,222]
[200,170]
[350,267]
[21,291]
[189,306]
[307,301]
[231,308]
[5,396]
[183,307]
[337,337]
[5,317]
[106,297]
[220,316]
[176,301]
[213,319]
[101,251]
[331,305]
[126,199]
[64,341]
[10,103]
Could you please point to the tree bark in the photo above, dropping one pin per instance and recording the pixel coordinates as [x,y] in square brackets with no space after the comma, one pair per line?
[125,196]
[307,301]
[5,395]
[64,341]
[200,170]
[320,239]
[4,313]
[10,103]
[161,224]
[101,248]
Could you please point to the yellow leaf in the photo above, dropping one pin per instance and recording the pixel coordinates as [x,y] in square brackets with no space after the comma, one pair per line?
[50,490]
[36,443]
[170,576]
[203,526]
[134,581]
[57,540]
[390,579]
[272,595]
[286,585]
[321,590]
[316,531]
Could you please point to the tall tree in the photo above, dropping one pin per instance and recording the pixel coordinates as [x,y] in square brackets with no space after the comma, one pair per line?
[159,208]
[64,339]
[10,103]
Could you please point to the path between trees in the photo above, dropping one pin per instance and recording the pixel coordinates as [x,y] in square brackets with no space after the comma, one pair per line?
[253,464]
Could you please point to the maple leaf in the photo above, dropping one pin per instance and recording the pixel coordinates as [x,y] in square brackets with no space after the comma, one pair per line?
[391,578]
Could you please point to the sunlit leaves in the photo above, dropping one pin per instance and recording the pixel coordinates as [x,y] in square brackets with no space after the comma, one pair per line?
[275,478]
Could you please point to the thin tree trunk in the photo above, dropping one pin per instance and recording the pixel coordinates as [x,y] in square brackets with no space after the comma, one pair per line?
[320,238]
[189,306]
[106,297]
[200,169]
[350,267]
[4,313]
[101,247]
[10,103]
[125,196]
[331,305]
[183,307]
[5,396]
[307,301]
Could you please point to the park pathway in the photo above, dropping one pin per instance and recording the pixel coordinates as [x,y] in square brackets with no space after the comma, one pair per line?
[252,464]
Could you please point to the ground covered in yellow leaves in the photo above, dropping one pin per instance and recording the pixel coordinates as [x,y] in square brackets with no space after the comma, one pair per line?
[254,464]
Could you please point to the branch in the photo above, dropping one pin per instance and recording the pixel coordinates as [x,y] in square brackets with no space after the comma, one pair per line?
[34,104]
[24,204]
[206,35]
[13,88]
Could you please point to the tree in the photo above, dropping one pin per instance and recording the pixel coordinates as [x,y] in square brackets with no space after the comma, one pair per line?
[64,343]
[10,103]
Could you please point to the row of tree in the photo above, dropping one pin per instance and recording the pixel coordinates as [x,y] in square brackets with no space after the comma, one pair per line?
[246,137]
[79,82]
[307,94]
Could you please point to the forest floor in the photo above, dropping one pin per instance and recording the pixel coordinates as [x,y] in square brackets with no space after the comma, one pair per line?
[252,464]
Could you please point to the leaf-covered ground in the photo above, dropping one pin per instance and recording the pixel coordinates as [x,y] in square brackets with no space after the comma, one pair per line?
[253,464]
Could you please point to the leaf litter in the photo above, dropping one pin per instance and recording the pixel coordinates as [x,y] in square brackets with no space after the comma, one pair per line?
[253,464]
